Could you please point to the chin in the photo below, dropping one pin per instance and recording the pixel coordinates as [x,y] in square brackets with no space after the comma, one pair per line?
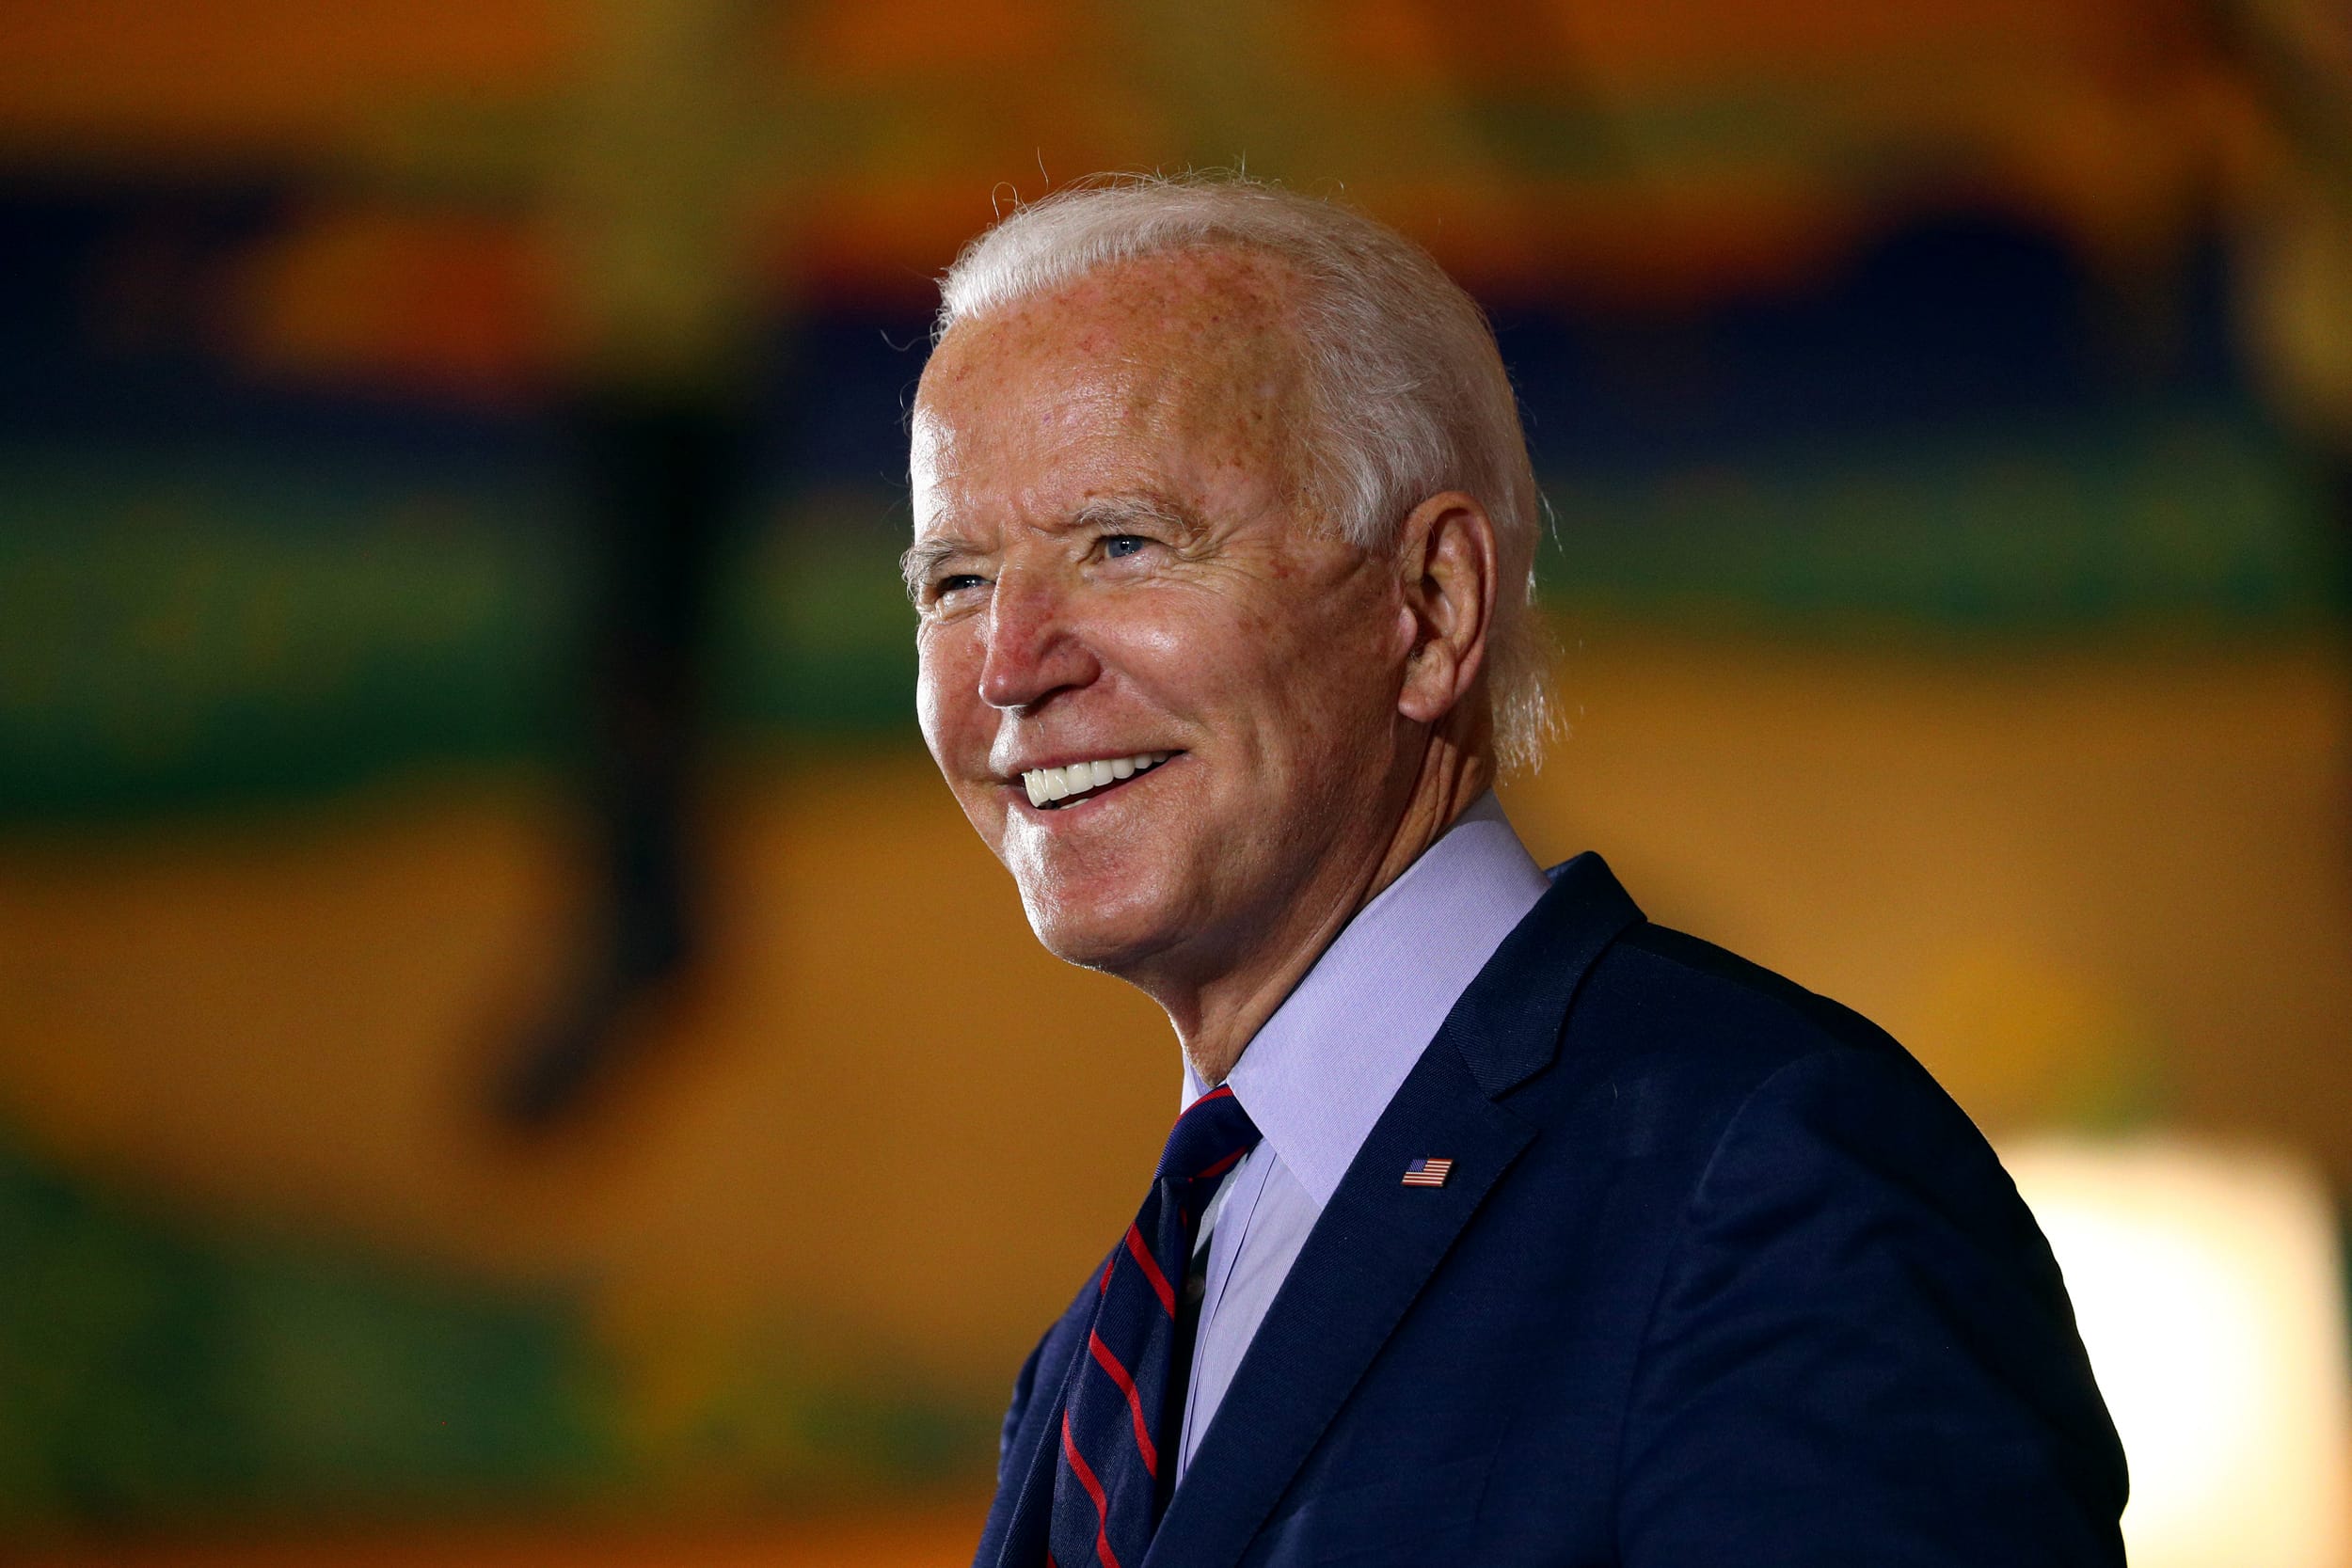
[1102,902]
[1113,933]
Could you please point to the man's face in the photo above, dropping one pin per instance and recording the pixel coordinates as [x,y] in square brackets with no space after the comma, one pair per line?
[1114,561]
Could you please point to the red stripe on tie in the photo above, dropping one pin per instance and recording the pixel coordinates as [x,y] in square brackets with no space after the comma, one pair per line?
[1152,1269]
[1094,1490]
[1221,1092]
[1221,1166]
[1110,1363]
[1099,1289]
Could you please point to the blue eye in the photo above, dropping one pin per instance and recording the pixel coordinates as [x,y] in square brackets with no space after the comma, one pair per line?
[1119,545]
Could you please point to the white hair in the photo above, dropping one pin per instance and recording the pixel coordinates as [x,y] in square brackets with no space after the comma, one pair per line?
[1407,390]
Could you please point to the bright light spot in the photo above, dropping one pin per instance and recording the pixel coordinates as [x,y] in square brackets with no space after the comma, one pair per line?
[2209,1294]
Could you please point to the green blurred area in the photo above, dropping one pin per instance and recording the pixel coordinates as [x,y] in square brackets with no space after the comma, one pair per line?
[178,634]
[147,1370]
[153,1368]
[2188,522]
[197,636]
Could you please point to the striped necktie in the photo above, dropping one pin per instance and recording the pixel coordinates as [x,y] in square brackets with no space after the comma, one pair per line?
[1115,1421]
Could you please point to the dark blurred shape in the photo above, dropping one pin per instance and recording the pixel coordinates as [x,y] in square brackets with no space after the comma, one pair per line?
[647,197]
[1948,319]
[661,477]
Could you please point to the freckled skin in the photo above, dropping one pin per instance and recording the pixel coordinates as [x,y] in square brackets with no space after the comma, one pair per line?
[1327,701]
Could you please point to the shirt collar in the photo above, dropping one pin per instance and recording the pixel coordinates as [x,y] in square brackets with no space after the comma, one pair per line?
[1319,1073]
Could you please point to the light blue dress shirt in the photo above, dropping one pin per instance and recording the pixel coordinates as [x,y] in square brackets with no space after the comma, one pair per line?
[1318,1074]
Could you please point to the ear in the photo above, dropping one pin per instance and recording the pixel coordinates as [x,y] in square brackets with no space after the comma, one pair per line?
[1447,570]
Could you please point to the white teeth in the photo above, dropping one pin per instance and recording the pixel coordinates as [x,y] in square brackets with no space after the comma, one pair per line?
[1047,785]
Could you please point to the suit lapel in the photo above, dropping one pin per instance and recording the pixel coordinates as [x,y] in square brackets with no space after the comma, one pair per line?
[1024,1543]
[1378,1242]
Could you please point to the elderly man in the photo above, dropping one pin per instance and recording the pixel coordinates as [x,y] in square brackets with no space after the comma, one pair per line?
[1502,1226]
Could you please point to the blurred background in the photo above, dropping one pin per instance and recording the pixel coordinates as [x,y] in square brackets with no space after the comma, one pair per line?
[504,1036]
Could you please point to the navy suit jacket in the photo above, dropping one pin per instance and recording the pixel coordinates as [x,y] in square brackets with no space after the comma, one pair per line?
[1720,1276]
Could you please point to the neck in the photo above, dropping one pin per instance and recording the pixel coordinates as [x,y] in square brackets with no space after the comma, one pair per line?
[1217,1015]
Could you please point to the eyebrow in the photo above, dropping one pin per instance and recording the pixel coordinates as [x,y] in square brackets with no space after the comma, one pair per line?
[1112,511]
[924,557]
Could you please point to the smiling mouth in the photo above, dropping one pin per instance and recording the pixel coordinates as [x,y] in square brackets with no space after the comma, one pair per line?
[1052,789]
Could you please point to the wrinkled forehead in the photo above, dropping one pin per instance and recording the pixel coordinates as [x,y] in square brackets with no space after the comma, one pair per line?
[1191,354]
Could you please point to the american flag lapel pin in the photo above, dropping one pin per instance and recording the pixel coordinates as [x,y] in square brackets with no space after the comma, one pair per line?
[1427,1173]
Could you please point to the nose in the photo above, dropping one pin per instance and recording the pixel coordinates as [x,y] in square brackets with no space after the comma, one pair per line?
[1033,648]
